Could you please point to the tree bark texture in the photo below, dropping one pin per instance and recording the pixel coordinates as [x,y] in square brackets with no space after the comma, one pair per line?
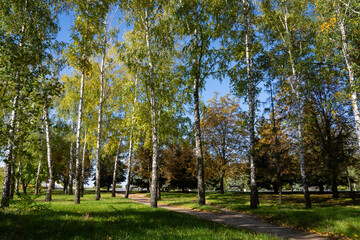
[71,160]
[78,141]
[128,177]
[48,155]
[99,131]
[276,154]
[197,128]
[83,167]
[155,157]
[38,175]
[294,83]
[8,160]
[18,178]
[115,168]
[251,95]
[352,81]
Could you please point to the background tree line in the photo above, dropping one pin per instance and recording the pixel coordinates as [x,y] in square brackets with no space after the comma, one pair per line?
[124,102]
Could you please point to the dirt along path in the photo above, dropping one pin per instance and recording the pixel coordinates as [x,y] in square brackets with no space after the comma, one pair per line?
[236,219]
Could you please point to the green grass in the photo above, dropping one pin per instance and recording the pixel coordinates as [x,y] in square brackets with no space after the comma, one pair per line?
[109,218]
[337,218]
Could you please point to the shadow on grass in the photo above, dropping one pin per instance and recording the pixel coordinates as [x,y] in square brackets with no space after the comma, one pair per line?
[337,216]
[112,219]
[328,215]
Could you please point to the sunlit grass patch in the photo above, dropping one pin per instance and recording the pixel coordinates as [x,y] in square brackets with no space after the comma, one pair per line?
[109,218]
[328,216]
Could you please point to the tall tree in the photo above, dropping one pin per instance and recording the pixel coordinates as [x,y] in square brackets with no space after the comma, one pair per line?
[151,56]
[27,34]
[337,26]
[48,155]
[224,133]
[199,60]
[288,26]
[103,53]
[89,18]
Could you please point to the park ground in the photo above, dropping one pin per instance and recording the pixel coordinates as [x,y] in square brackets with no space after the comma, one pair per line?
[109,218]
[29,217]
[337,218]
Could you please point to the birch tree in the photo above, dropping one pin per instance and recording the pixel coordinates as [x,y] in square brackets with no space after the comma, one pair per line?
[89,17]
[103,53]
[337,24]
[199,60]
[149,45]
[27,33]
[48,154]
[289,23]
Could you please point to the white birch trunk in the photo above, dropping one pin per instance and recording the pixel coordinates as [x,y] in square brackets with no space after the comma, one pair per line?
[48,154]
[294,83]
[8,156]
[8,160]
[352,82]
[99,127]
[115,168]
[83,167]
[38,175]
[78,141]
[155,157]
[18,178]
[71,160]
[128,177]
[251,96]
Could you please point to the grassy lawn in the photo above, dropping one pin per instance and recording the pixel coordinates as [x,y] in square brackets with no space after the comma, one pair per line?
[109,218]
[337,218]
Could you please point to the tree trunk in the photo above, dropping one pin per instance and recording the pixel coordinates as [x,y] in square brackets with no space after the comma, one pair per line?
[251,94]
[78,139]
[17,189]
[352,81]
[334,187]
[48,154]
[276,154]
[158,191]
[9,157]
[71,160]
[198,146]
[65,189]
[128,177]
[197,128]
[302,159]
[295,87]
[83,168]
[24,186]
[352,194]
[12,179]
[21,177]
[222,184]
[155,157]
[115,168]
[38,174]
[99,127]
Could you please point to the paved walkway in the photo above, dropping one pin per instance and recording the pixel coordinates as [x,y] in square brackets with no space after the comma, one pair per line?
[236,219]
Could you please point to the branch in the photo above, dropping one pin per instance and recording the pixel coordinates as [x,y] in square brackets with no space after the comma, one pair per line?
[348,6]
